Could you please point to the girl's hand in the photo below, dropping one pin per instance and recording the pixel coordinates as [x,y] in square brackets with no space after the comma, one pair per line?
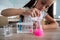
[33,12]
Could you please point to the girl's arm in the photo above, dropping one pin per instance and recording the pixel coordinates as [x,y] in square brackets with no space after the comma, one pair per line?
[53,23]
[12,12]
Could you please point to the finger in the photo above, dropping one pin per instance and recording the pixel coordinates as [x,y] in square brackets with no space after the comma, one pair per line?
[34,13]
[37,12]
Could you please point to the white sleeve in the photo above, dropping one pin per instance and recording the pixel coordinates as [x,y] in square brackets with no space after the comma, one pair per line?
[44,14]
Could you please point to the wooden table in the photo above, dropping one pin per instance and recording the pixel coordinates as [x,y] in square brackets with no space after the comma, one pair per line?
[51,34]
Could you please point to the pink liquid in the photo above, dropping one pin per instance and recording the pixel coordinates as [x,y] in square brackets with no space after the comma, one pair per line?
[38,31]
[31,30]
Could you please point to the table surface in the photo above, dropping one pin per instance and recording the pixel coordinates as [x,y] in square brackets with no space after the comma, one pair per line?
[51,34]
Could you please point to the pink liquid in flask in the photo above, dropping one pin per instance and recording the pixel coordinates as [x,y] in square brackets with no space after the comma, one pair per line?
[38,31]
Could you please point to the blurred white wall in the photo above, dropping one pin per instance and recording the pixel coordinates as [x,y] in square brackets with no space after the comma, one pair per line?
[57,14]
